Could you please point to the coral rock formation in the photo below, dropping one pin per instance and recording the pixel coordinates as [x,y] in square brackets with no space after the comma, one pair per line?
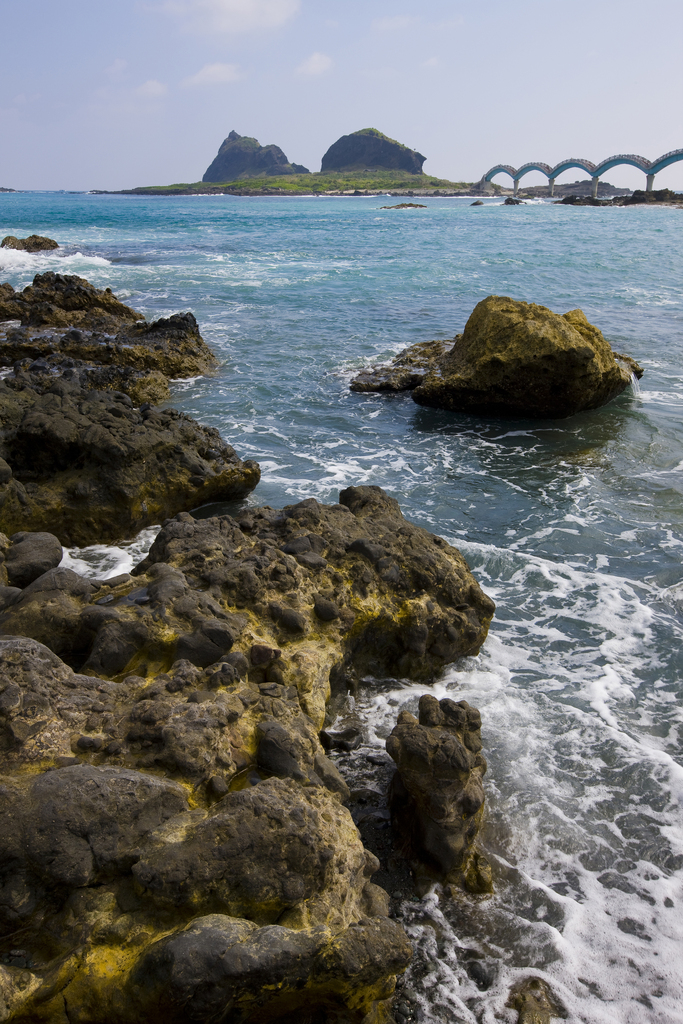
[436,796]
[513,359]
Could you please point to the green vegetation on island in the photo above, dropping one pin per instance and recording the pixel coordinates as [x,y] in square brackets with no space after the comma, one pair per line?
[336,183]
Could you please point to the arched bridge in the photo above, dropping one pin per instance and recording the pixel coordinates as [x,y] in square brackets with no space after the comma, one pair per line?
[649,168]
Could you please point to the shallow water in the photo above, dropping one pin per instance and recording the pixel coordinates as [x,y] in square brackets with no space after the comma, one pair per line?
[574,527]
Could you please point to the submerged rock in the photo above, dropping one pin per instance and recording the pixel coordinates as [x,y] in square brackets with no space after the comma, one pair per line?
[243,157]
[535,1002]
[34,243]
[436,796]
[513,359]
[369,149]
[90,467]
[405,371]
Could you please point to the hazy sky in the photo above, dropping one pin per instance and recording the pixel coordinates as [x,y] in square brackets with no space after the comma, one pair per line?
[103,94]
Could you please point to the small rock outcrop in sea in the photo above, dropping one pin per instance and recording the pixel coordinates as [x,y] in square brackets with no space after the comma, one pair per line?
[243,157]
[405,206]
[535,1002]
[369,149]
[175,848]
[437,796]
[34,243]
[91,467]
[312,597]
[513,359]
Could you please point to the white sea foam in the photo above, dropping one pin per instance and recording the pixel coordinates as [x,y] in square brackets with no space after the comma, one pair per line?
[103,561]
[15,261]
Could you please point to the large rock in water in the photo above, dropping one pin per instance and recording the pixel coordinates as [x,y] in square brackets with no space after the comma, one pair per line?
[436,796]
[152,872]
[369,149]
[513,359]
[90,467]
[243,157]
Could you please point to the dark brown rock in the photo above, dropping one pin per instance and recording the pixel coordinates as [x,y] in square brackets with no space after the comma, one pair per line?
[535,1002]
[437,796]
[406,370]
[29,556]
[34,243]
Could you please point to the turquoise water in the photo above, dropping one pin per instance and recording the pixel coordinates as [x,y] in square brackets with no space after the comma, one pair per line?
[575,527]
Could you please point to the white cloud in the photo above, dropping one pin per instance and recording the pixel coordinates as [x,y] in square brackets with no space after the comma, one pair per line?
[213,74]
[316,64]
[152,90]
[231,15]
[116,69]
[399,21]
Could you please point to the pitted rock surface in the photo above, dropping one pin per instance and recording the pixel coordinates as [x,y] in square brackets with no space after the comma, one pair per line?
[163,842]
[514,359]
[436,796]
[90,467]
[309,597]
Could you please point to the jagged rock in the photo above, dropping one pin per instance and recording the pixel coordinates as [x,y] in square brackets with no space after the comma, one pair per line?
[105,864]
[521,359]
[64,300]
[369,149]
[406,371]
[102,330]
[141,386]
[513,359]
[91,467]
[27,556]
[405,602]
[535,1002]
[240,156]
[34,243]
[437,796]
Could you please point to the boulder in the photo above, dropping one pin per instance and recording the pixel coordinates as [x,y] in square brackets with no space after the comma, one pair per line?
[29,555]
[513,359]
[34,243]
[369,149]
[243,157]
[436,797]
[64,300]
[200,887]
[295,601]
[91,467]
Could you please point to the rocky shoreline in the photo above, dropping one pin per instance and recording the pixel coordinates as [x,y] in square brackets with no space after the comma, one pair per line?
[179,844]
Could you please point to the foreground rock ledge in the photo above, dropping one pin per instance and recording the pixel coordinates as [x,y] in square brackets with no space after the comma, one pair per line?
[513,359]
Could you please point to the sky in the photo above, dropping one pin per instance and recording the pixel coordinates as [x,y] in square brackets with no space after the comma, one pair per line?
[110,95]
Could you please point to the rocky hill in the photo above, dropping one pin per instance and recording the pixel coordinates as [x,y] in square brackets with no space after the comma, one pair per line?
[369,149]
[243,157]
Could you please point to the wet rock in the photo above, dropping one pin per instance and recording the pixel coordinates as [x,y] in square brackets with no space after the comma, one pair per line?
[477,202]
[29,555]
[512,202]
[520,359]
[406,371]
[437,796]
[133,897]
[407,605]
[141,385]
[34,243]
[91,467]
[64,300]
[535,1002]
[513,359]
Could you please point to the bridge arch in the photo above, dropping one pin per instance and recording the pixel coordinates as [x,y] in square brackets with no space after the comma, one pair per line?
[649,168]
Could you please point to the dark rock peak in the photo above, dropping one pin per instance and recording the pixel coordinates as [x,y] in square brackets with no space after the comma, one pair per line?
[241,156]
[370,149]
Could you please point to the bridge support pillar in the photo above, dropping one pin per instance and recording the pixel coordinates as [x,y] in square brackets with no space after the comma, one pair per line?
[551,184]
[650,182]
[516,188]
[486,186]
[594,189]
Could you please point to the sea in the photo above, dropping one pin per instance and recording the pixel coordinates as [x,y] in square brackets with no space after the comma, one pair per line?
[574,527]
